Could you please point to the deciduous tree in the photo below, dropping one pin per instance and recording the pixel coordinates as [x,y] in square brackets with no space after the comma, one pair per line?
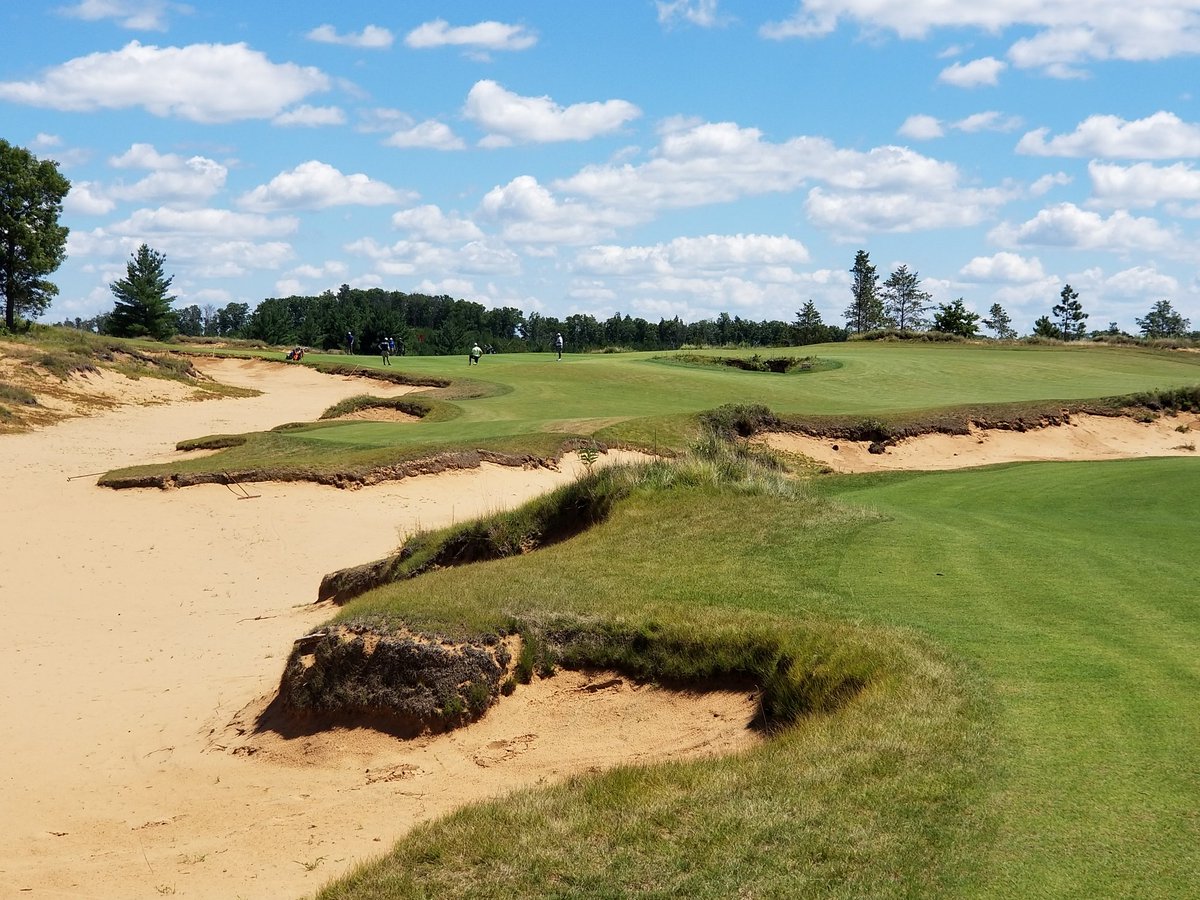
[32,243]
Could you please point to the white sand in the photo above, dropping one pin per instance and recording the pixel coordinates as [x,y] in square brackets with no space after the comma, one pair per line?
[143,626]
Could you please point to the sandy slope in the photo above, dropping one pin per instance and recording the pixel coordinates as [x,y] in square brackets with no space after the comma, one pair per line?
[1086,437]
[143,626]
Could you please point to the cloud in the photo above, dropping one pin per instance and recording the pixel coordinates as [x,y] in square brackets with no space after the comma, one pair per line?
[372,37]
[852,215]
[1140,283]
[1066,225]
[310,116]
[921,128]
[924,128]
[709,252]
[172,178]
[429,135]
[409,257]
[86,198]
[199,222]
[511,118]
[702,13]
[431,224]
[1065,33]
[142,15]
[318,185]
[1162,135]
[529,213]
[1046,183]
[1003,267]
[200,82]
[1142,184]
[985,71]
[483,36]
[988,121]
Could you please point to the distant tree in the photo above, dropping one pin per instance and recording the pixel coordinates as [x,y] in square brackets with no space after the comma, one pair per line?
[190,321]
[904,302]
[32,243]
[998,321]
[1068,314]
[1163,322]
[955,318]
[232,319]
[865,311]
[1043,327]
[808,327]
[143,305]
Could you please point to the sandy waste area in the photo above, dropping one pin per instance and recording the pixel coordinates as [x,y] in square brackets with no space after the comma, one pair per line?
[1084,438]
[145,630]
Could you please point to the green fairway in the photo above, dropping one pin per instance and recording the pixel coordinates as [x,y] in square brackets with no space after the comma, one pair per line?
[531,404]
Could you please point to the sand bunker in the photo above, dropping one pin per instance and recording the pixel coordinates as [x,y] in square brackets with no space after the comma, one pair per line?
[145,629]
[1085,437]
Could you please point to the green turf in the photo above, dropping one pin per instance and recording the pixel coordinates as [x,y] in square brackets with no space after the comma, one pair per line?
[527,402]
[1056,758]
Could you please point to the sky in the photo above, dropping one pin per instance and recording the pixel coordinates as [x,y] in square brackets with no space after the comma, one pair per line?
[649,157]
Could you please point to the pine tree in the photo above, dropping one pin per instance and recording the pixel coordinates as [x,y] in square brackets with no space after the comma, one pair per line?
[1068,314]
[955,318]
[1163,322]
[865,311]
[904,301]
[143,306]
[808,327]
[1000,322]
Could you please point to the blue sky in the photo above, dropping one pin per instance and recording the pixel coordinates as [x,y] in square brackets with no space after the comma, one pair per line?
[650,157]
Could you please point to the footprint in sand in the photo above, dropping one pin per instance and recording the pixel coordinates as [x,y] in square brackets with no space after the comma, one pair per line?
[500,751]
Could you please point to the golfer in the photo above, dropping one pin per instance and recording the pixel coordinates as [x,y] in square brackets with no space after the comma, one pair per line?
[475,354]
[558,344]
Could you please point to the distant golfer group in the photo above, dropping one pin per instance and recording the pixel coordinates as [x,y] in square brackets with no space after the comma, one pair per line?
[387,349]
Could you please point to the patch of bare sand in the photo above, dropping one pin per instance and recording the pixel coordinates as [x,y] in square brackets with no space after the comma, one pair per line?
[140,624]
[1085,437]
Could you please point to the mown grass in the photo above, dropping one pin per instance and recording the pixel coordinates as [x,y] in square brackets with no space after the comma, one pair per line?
[867,789]
[1051,754]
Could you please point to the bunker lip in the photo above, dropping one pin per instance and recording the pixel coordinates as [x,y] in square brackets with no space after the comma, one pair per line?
[1078,436]
[174,611]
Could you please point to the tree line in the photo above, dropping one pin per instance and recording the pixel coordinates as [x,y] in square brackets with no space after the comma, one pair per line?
[33,245]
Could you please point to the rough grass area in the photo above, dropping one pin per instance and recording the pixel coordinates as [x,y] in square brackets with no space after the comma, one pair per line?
[413,407]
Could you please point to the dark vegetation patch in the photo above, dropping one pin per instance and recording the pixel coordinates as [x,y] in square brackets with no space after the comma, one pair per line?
[212,442]
[395,377]
[756,363]
[413,407]
[405,681]
[402,681]
[12,393]
[909,335]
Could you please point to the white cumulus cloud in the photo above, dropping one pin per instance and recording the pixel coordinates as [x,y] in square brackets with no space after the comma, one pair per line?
[921,128]
[702,13]
[511,118]
[483,36]
[1066,225]
[318,185]
[1003,267]
[430,135]
[1162,135]
[985,71]
[430,223]
[200,82]
[1142,184]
